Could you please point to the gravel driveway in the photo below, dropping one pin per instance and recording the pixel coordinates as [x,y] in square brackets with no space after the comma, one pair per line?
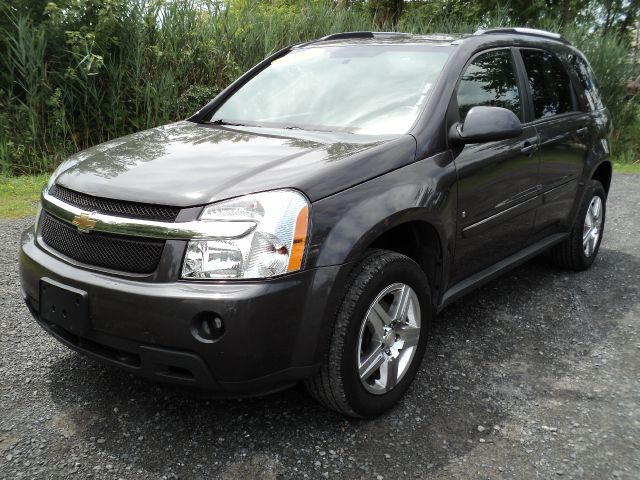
[536,375]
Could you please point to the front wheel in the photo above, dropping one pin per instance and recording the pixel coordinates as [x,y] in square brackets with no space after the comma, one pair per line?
[580,249]
[378,338]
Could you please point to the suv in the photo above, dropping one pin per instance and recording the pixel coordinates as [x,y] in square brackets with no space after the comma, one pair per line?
[309,222]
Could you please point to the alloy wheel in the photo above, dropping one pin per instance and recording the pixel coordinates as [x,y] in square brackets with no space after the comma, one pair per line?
[592,226]
[388,338]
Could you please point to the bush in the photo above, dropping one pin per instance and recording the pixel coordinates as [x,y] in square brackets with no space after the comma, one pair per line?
[80,72]
[609,57]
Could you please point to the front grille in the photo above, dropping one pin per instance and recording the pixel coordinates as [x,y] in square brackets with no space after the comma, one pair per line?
[115,207]
[116,252]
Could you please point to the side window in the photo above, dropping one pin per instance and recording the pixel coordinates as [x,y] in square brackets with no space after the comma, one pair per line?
[489,80]
[588,81]
[550,83]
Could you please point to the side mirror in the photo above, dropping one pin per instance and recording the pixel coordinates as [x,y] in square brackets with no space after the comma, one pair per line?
[486,124]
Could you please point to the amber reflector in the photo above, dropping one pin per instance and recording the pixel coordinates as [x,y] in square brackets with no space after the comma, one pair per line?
[299,240]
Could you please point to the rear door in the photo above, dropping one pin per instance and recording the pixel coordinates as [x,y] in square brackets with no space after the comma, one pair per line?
[564,131]
[498,186]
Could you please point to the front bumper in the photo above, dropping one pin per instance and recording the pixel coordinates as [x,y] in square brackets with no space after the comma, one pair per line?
[275,330]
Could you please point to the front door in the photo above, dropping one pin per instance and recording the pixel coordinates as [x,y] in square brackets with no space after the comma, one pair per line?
[498,187]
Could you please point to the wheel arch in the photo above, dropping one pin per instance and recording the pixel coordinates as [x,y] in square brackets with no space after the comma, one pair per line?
[420,241]
[603,173]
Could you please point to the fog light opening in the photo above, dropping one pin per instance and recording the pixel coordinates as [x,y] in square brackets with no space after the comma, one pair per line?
[207,327]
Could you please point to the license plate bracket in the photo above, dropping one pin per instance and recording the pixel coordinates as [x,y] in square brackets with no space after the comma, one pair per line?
[65,306]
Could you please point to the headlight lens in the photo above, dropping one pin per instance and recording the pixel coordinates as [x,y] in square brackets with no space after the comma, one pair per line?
[275,246]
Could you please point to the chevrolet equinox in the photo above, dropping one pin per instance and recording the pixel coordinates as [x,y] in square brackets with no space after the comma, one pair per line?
[309,222]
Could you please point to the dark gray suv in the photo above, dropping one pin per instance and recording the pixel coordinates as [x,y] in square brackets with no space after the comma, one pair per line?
[309,221]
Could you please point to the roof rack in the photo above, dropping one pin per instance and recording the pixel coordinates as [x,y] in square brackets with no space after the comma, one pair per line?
[340,36]
[524,31]
[344,35]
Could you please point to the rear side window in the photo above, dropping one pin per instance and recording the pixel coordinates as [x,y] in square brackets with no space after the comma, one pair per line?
[588,81]
[489,80]
[549,81]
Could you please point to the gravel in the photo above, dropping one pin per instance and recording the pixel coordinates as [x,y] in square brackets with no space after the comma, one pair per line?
[536,375]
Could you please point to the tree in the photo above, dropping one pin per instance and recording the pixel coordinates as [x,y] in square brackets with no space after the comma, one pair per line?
[387,12]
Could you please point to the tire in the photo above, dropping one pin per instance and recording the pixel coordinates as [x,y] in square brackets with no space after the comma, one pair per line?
[376,286]
[573,253]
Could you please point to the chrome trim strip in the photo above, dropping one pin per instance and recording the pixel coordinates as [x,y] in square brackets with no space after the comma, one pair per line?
[513,211]
[133,227]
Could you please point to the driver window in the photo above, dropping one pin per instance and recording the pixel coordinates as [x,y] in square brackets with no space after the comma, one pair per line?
[489,80]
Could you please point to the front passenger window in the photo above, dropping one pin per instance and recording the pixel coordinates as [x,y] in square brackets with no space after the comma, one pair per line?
[489,80]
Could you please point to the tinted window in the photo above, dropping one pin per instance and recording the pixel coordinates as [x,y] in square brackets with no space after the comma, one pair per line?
[588,81]
[489,80]
[549,81]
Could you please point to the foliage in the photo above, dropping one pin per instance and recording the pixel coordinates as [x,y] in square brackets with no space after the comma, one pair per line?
[78,72]
[608,56]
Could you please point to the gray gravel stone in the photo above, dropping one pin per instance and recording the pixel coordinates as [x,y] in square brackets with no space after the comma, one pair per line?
[539,346]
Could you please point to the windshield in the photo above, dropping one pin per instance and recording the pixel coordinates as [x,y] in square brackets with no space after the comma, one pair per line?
[366,89]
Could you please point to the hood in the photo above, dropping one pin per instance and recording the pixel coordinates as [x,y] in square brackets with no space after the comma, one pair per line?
[187,164]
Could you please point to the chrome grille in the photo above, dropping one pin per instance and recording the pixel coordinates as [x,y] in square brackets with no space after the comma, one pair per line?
[115,252]
[120,208]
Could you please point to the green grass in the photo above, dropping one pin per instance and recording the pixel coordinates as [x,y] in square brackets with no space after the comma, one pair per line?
[19,195]
[626,167]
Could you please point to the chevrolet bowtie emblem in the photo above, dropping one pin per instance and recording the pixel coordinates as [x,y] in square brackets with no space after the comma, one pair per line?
[84,222]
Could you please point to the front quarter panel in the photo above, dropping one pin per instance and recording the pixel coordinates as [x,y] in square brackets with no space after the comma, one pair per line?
[345,224]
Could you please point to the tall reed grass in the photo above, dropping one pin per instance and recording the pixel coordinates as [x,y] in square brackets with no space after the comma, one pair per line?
[99,69]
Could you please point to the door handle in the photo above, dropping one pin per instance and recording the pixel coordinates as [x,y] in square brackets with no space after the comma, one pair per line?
[582,132]
[529,148]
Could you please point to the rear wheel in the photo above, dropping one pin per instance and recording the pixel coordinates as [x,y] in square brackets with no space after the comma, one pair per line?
[580,249]
[378,338]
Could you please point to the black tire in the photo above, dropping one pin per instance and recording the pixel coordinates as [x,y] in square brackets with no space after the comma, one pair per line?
[570,253]
[338,385]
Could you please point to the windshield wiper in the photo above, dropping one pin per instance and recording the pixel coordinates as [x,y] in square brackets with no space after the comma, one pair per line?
[224,122]
[309,129]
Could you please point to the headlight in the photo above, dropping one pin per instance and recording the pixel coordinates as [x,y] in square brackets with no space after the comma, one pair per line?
[275,245]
